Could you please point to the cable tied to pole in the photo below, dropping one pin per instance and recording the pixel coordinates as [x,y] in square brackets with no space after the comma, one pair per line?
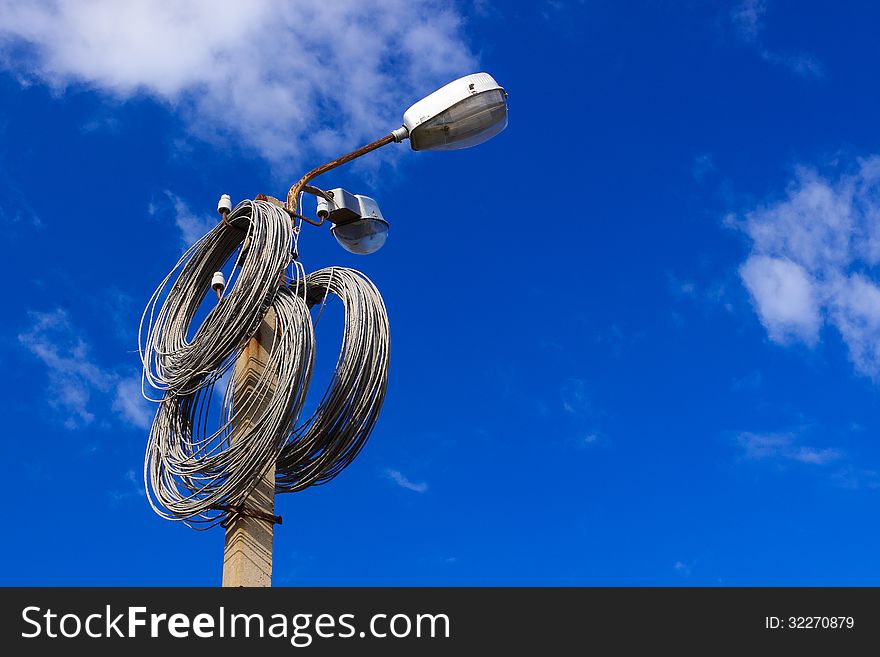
[218,429]
[332,437]
[173,362]
[191,470]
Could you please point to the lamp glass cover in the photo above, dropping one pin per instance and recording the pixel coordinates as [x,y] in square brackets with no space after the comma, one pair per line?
[363,236]
[467,123]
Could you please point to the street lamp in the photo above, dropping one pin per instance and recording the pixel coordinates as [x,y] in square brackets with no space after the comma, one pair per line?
[461,114]
[464,113]
[275,363]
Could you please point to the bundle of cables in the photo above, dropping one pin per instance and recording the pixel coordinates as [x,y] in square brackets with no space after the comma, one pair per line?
[171,362]
[193,471]
[333,436]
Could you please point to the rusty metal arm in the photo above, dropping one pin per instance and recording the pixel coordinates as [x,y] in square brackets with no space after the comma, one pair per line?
[314,191]
[301,185]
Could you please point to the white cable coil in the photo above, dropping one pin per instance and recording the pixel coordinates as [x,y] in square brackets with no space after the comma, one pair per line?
[191,472]
[170,361]
[335,433]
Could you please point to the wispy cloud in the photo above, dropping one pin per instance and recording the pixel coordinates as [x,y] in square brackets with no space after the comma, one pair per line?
[130,405]
[680,287]
[855,478]
[78,385]
[813,261]
[782,446]
[750,381]
[260,71]
[103,123]
[133,487]
[120,307]
[785,449]
[682,568]
[73,377]
[747,19]
[709,295]
[591,438]
[784,297]
[574,397]
[190,225]
[398,478]
[579,412]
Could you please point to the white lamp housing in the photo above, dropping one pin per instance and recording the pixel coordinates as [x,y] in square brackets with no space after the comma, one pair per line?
[358,224]
[464,113]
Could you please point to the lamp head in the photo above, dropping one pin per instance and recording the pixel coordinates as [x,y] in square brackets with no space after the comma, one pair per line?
[358,224]
[464,113]
[363,237]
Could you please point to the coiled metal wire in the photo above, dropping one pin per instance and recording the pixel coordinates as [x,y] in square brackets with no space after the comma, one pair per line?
[332,437]
[171,362]
[191,469]
[192,472]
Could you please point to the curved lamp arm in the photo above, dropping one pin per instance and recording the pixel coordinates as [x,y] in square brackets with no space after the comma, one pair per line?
[299,186]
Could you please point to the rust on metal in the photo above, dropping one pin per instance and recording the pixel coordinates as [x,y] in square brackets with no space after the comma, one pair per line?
[296,215]
[324,168]
[314,191]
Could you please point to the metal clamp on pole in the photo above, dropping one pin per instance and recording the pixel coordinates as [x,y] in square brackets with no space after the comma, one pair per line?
[235,510]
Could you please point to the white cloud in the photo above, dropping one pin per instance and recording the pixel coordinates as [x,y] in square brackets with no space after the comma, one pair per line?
[815,456]
[747,18]
[813,261]
[73,377]
[123,314]
[680,287]
[783,295]
[192,226]
[799,63]
[854,308]
[78,385]
[398,478]
[134,487]
[579,413]
[781,446]
[854,478]
[575,400]
[280,76]
[761,446]
[130,404]
[682,569]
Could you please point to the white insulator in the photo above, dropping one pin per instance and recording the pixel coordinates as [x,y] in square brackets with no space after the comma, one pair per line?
[224,204]
[218,283]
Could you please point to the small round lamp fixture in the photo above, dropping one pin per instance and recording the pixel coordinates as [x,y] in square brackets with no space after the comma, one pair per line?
[364,235]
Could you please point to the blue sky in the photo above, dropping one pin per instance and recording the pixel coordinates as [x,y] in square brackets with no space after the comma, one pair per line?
[634,337]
